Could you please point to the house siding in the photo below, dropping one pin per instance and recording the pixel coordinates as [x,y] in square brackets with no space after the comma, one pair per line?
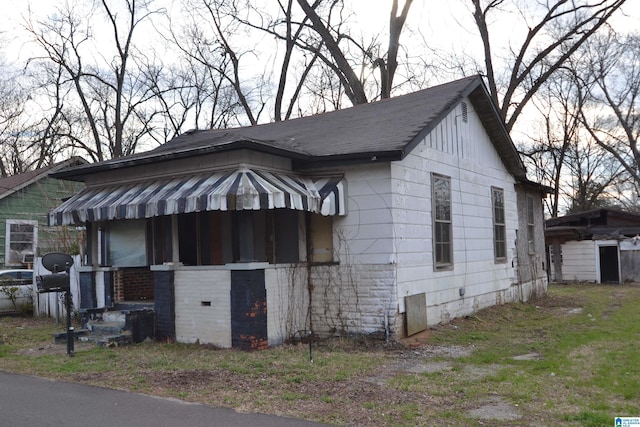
[629,261]
[33,203]
[474,166]
[530,266]
[287,303]
[354,299]
[384,244]
[579,261]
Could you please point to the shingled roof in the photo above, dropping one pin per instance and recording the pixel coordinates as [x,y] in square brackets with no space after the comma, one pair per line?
[13,183]
[385,130]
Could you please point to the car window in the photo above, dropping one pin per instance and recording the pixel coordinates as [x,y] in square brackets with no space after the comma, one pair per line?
[10,275]
[27,274]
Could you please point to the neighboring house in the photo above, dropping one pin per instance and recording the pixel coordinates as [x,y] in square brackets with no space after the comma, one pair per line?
[381,218]
[25,200]
[601,245]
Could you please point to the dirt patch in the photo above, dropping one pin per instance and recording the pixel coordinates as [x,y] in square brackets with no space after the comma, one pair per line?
[55,349]
[496,409]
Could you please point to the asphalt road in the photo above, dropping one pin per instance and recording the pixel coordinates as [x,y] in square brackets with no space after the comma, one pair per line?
[27,401]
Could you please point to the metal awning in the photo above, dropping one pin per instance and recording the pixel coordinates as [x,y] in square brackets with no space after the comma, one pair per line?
[239,189]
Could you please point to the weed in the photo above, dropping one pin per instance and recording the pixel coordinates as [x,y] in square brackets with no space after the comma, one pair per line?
[586,370]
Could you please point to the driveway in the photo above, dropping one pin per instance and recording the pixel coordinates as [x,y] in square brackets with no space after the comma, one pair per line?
[27,401]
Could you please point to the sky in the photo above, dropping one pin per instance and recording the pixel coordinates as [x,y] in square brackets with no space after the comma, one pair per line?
[446,25]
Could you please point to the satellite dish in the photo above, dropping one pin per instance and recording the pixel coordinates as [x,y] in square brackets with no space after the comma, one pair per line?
[56,262]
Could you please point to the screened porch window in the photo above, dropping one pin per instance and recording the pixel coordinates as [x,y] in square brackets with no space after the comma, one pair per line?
[214,238]
[126,243]
[223,237]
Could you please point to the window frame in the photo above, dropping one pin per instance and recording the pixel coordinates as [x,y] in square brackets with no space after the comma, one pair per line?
[499,225]
[442,249]
[531,225]
[7,245]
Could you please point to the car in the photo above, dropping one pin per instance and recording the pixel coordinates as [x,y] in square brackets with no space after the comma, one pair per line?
[16,289]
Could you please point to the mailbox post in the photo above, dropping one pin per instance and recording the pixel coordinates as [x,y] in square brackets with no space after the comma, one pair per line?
[59,265]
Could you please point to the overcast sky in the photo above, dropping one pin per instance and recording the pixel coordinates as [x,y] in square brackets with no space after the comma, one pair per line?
[445,24]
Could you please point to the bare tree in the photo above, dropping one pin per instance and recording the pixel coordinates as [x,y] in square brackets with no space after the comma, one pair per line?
[331,36]
[564,155]
[555,31]
[12,126]
[25,134]
[613,119]
[558,107]
[208,83]
[106,93]
[311,49]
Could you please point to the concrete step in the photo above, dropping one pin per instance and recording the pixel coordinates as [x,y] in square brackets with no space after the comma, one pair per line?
[108,340]
[115,340]
[105,328]
[114,316]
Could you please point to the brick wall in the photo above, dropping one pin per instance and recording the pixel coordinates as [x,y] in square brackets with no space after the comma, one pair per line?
[133,284]
[356,299]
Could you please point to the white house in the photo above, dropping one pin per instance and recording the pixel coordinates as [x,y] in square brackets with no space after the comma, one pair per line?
[382,218]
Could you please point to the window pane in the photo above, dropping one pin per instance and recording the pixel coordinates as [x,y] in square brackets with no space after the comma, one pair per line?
[499,229]
[442,196]
[188,238]
[530,225]
[442,221]
[127,243]
[20,241]
[500,241]
[498,205]
[286,235]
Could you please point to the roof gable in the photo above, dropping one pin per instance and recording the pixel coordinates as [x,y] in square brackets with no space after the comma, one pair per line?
[385,130]
[14,183]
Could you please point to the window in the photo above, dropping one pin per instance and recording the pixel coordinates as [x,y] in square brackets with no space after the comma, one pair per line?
[321,238]
[441,205]
[215,238]
[499,228]
[531,229]
[21,240]
[126,243]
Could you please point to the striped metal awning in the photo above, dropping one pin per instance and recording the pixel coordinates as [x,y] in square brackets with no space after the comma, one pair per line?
[240,189]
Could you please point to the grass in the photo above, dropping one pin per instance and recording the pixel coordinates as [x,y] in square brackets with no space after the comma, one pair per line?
[584,369]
